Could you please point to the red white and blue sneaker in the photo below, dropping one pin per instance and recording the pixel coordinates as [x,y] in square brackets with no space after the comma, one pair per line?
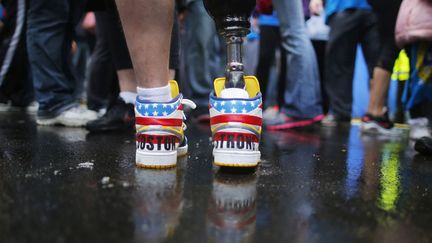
[236,125]
[160,130]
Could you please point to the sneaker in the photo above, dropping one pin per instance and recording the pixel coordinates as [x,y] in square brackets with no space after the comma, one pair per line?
[236,125]
[74,117]
[378,125]
[281,122]
[270,114]
[120,116]
[32,108]
[5,106]
[419,127]
[29,108]
[424,146]
[331,120]
[160,130]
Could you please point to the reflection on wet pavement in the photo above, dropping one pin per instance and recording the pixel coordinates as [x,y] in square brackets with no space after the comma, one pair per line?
[232,208]
[158,203]
[313,185]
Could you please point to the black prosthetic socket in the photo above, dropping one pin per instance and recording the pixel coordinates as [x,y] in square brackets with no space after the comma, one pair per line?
[232,22]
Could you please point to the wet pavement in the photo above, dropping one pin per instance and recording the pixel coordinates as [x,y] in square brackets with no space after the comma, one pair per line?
[62,184]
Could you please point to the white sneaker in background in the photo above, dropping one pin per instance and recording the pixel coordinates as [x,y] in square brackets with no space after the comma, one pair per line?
[32,108]
[270,114]
[4,107]
[419,127]
[9,107]
[74,117]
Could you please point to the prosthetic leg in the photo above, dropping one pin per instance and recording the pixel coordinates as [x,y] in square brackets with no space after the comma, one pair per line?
[236,103]
[232,22]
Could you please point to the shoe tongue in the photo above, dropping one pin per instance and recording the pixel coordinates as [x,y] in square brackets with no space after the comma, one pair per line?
[234,93]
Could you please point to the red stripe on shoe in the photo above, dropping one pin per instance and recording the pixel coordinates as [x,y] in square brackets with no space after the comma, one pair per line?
[145,121]
[251,120]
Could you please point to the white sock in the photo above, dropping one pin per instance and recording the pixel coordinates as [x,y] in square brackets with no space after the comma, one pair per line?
[128,97]
[160,94]
[234,93]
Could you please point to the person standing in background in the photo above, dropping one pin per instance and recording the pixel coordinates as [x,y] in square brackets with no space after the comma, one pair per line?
[50,31]
[269,42]
[202,56]
[376,119]
[302,95]
[16,89]
[351,22]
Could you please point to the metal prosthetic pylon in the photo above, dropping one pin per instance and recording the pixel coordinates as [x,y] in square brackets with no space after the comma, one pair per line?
[232,22]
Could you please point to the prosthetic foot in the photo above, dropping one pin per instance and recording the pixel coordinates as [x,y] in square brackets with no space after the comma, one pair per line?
[236,103]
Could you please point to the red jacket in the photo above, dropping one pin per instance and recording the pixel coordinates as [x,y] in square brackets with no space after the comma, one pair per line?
[414,22]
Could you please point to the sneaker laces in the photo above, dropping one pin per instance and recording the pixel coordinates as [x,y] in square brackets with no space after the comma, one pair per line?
[188,103]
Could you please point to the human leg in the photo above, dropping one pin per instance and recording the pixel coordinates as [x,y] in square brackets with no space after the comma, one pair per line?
[159,118]
[341,50]
[102,85]
[47,56]
[269,40]
[386,12]
[302,68]
[236,103]
[15,84]
[199,51]
[49,38]
[380,53]
[147,26]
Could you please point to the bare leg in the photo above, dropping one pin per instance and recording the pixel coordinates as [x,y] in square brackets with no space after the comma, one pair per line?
[147,26]
[172,73]
[127,80]
[379,91]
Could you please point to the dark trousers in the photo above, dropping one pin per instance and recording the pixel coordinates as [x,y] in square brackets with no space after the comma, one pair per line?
[386,12]
[15,82]
[320,49]
[270,41]
[348,29]
[49,36]
[103,84]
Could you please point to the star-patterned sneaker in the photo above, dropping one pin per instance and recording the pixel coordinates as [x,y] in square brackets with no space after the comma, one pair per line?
[236,125]
[160,130]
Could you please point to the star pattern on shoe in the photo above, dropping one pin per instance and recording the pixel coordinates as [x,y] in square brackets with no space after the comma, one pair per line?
[157,109]
[234,106]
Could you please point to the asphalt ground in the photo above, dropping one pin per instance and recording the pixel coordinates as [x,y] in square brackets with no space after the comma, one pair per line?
[319,184]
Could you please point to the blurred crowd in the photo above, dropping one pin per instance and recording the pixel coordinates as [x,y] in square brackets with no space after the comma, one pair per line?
[70,58]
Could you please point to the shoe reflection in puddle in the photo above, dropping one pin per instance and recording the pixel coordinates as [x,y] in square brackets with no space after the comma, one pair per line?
[231,213]
[158,203]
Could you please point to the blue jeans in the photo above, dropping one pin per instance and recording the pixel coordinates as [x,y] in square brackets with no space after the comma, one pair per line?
[50,29]
[302,95]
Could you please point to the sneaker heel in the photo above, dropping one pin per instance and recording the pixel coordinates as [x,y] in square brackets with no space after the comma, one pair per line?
[236,158]
[154,160]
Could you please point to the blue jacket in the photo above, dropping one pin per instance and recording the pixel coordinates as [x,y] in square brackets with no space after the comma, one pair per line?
[268,20]
[334,6]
